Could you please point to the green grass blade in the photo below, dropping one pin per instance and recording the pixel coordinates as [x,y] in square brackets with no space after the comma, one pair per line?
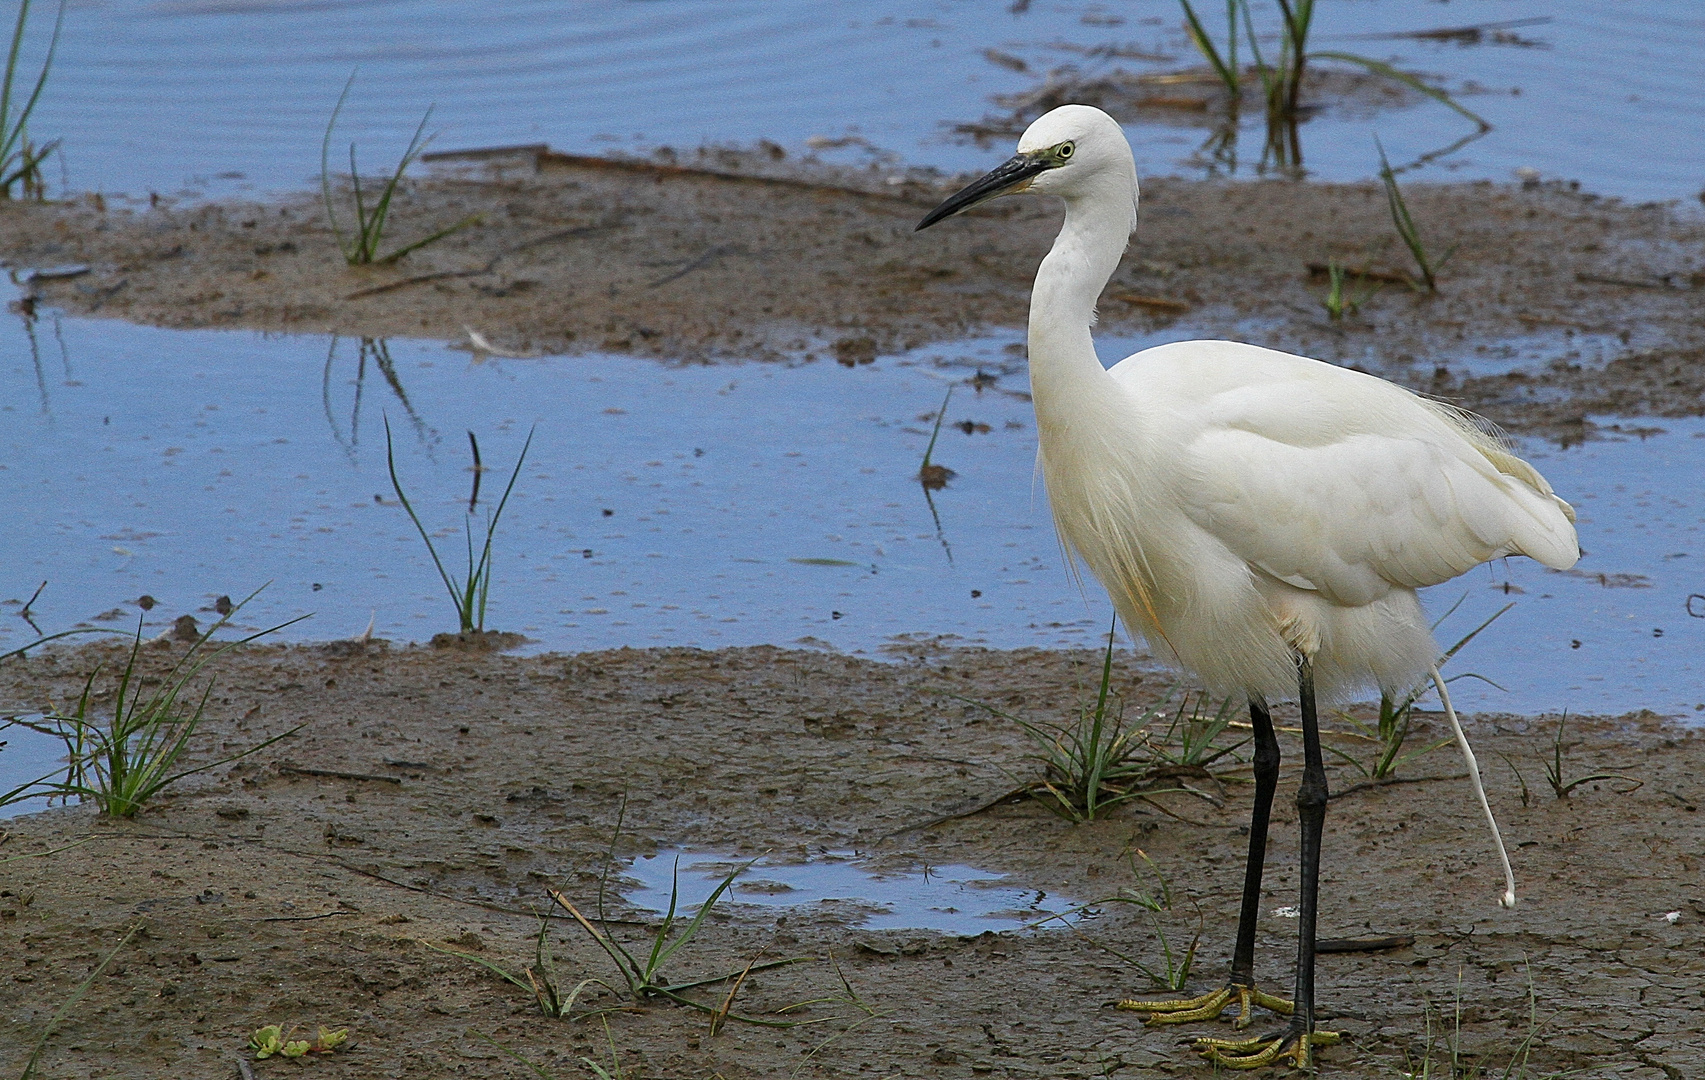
[325,169]
[1205,45]
[1385,70]
[41,80]
[490,966]
[537,1069]
[1402,221]
[364,241]
[12,130]
[939,417]
[471,219]
[70,1003]
[653,962]
[11,73]
[698,919]
[382,209]
[496,516]
[50,851]
[624,960]
[22,649]
[397,486]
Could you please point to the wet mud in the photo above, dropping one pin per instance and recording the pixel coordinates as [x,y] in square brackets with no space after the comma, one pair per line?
[734,256]
[433,796]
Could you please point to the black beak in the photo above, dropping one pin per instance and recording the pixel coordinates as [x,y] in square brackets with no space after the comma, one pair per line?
[1014,175]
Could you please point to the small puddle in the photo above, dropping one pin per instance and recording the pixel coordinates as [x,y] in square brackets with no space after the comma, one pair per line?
[27,755]
[948,899]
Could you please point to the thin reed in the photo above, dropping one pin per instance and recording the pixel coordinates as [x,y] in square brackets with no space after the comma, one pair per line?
[71,1003]
[20,159]
[1406,228]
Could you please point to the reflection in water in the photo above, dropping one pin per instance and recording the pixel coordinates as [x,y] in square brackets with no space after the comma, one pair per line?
[933,477]
[378,350]
[26,309]
[1281,150]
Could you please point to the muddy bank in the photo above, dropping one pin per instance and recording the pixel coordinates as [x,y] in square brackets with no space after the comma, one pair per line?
[759,260]
[470,783]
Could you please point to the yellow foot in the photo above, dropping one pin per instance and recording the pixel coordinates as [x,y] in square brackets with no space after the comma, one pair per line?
[1209,1006]
[1298,1048]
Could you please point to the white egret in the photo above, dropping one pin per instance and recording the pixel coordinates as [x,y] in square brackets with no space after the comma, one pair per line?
[1260,518]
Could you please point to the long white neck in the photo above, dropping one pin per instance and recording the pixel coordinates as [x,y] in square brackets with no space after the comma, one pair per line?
[1063,364]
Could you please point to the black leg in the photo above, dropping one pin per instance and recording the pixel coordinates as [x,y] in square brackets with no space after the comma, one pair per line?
[1266,780]
[1311,813]
[1297,1042]
[1240,989]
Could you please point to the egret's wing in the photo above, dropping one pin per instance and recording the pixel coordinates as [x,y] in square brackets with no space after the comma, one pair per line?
[1391,494]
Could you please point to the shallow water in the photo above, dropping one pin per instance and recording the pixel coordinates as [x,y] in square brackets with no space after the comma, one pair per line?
[215,96]
[948,899]
[27,755]
[702,506]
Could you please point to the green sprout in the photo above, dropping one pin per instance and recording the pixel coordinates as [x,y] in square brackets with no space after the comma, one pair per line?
[361,248]
[468,594]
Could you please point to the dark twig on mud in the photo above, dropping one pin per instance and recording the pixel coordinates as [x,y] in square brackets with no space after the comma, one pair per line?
[24,612]
[568,234]
[1364,944]
[420,279]
[1630,283]
[338,775]
[307,918]
[1011,796]
[244,1071]
[1391,780]
[1389,277]
[713,255]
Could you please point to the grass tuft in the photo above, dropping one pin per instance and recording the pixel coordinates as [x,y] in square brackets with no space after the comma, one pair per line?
[361,247]
[1101,760]
[1340,301]
[20,159]
[539,980]
[1172,971]
[1455,1065]
[644,976]
[121,762]
[468,594]
[1563,787]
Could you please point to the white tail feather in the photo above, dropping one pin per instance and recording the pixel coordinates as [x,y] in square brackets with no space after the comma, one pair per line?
[1509,898]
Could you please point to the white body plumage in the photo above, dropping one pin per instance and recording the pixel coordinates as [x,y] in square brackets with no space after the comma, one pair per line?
[1242,505]
[1248,509]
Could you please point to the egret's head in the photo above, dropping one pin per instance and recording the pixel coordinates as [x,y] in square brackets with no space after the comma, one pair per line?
[1071,151]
